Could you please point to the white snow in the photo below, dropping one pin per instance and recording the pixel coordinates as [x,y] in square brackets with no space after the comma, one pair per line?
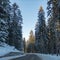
[48,57]
[2,21]
[12,57]
[5,49]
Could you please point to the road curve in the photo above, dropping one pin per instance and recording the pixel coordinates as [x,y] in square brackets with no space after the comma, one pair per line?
[28,57]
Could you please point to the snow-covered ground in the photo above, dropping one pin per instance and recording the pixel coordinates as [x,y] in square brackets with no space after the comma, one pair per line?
[41,56]
[5,49]
[48,57]
[11,57]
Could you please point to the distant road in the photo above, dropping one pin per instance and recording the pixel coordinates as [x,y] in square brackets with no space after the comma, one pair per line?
[28,57]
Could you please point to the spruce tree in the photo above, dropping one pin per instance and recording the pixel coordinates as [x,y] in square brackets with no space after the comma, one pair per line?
[15,29]
[3,20]
[40,33]
[54,23]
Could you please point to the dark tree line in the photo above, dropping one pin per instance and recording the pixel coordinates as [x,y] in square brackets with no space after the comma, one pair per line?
[10,24]
[54,25]
[47,37]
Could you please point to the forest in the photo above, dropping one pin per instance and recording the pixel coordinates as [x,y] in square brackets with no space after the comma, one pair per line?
[45,39]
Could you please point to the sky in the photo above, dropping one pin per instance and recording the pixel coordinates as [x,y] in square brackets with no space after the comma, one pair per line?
[29,10]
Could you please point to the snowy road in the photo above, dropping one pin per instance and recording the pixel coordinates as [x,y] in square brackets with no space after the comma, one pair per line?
[22,57]
[31,56]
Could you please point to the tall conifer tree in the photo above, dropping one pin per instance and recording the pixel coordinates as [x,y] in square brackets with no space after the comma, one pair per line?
[40,32]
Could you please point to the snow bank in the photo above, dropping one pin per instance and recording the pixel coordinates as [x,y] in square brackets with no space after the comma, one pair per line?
[12,57]
[48,57]
[5,49]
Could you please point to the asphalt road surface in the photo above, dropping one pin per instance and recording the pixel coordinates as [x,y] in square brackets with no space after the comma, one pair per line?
[28,57]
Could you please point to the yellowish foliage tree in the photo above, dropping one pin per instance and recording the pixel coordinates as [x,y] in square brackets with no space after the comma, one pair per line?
[31,37]
[31,42]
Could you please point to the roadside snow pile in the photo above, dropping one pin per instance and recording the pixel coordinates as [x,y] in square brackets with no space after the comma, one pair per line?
[5,49]
[48,57]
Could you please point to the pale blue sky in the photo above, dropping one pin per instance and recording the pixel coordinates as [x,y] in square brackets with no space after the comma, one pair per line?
[29,10]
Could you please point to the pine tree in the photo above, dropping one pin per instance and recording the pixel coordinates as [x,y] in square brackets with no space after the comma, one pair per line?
[40,33]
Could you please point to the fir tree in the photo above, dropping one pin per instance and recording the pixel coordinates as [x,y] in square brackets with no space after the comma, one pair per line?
[40,33]
[3,20]
[15,29]
[54,23]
